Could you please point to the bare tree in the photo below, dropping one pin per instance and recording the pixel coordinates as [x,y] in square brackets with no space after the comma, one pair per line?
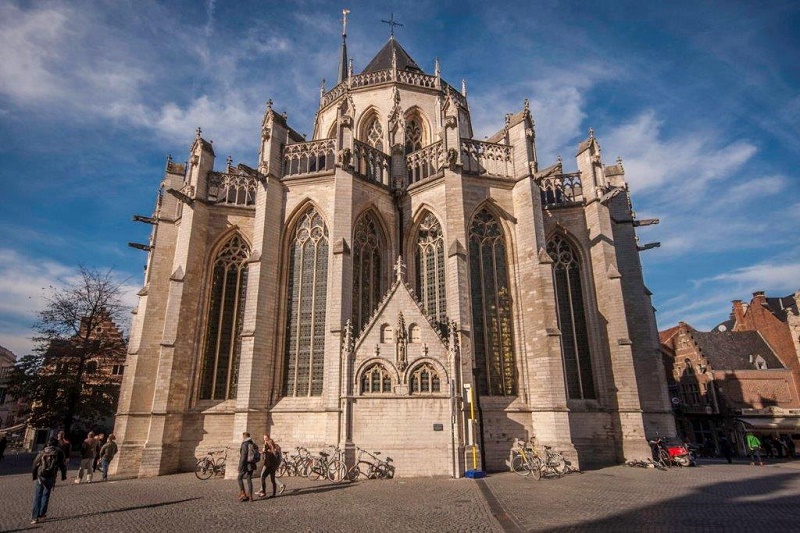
[77,335]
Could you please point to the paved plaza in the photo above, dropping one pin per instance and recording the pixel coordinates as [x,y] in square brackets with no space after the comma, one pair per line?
[713,496]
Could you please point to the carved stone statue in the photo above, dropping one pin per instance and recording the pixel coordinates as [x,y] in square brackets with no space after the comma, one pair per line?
[401,343]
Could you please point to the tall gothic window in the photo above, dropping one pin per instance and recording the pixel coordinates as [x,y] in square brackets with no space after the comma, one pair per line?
[374,134]
[376,379]
[571,319]
[223,342]
[367,289]
[413,135]
[305,317]
[425,380]
[430,268]
[491,307]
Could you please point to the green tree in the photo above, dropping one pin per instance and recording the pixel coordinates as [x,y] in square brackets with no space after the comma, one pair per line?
[60,381]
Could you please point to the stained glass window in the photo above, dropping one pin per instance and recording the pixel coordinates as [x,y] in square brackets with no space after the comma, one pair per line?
[430,269]
[413,135]
[571,319]
[367,286]
[305,318]
[376,380]
[220,369]
[425,380]
[491,307]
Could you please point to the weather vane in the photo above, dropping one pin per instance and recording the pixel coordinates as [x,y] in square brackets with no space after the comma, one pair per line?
[391,22]
[344,21]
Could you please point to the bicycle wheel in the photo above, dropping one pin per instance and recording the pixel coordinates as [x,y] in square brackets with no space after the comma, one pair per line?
[353,473]
[663,458]
[204,468]
[304,466]
[282,470]
[337,471]
[519,466]
[560,465]
[535,467]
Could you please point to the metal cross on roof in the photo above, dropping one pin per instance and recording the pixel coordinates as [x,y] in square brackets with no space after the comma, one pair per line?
[392,23]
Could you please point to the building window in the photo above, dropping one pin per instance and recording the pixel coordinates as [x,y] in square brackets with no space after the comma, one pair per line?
[571,319]
[761,364]
[387,334]
[425,380]
[376,380]
[367,286]
[91,367]
[413,135]
[491,307]
[414,334]
[305,318]
[223,343]
[430,269]
[690,394]
[374,134]
[117,370]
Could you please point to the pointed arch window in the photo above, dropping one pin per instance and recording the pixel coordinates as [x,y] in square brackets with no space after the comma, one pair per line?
[376,380]
[430,269]
[220,369]
[571,319]
[374,134]
[413,135]
[425,380]
[491,307]
[307,297]
[367,286]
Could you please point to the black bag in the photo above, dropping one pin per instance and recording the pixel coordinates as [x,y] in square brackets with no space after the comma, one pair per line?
[253,456]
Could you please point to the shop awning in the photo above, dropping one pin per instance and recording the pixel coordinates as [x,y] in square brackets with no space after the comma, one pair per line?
[776,423]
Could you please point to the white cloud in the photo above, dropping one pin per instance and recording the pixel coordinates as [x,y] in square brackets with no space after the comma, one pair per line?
[771,277]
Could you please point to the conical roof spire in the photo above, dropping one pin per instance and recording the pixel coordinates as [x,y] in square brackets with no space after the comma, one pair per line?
[342,75]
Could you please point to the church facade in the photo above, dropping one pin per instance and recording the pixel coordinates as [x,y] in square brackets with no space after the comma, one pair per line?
[393,284]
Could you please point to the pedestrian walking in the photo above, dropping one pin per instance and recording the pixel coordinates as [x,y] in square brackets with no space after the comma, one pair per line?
[107,453]
[753,447]
[248,458]
[88,448]
[3,444]
[65,446]
[272,460]
[45,469]
[100,440]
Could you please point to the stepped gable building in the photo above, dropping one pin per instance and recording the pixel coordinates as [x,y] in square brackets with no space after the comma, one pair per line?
[348,289]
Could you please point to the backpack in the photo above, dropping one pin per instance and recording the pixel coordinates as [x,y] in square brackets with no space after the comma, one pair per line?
[253,455]
[49,465]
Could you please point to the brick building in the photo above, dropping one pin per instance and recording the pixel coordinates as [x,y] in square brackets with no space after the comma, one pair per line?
[348,289]
[727,382]
[8,405]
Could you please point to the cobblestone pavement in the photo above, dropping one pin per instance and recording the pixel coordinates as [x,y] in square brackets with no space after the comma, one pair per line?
[714,496]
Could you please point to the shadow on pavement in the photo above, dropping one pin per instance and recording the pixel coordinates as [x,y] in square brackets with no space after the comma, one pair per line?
[122,509]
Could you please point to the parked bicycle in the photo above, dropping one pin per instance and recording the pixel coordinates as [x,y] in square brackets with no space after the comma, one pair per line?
[329,466]
[526,461]
[210,464]
[376,468]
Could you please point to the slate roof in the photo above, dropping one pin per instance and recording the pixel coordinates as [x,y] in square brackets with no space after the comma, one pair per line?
[383,60]
[778,306]
[731,350]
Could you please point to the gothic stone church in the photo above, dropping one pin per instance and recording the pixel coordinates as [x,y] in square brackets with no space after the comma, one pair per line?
[350,288]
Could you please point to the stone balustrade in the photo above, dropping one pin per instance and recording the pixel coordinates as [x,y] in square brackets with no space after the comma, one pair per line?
[479,157]
[425,162]
[312,157]
[370,163]
[232,189]
[561,190]
[415,79]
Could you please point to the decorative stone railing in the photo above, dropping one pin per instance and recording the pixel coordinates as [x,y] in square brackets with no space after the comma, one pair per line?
[415,79]
[481,157]
[312,157]
[232,189]
[370,163]
[561,190]
[425,162]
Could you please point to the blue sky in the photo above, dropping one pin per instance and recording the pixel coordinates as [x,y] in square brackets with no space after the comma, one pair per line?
[700,99]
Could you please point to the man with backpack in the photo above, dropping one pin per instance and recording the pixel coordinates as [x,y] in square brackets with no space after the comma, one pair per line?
[88,448]
[45,469]
[248,457]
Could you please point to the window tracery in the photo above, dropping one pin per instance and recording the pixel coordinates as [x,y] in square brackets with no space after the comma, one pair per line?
[305,318]
[220,368]
[413,135]
[491,306]
[571,319]
[367,286]
[430,269]
[376,380]
[425,380]
[374,134]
